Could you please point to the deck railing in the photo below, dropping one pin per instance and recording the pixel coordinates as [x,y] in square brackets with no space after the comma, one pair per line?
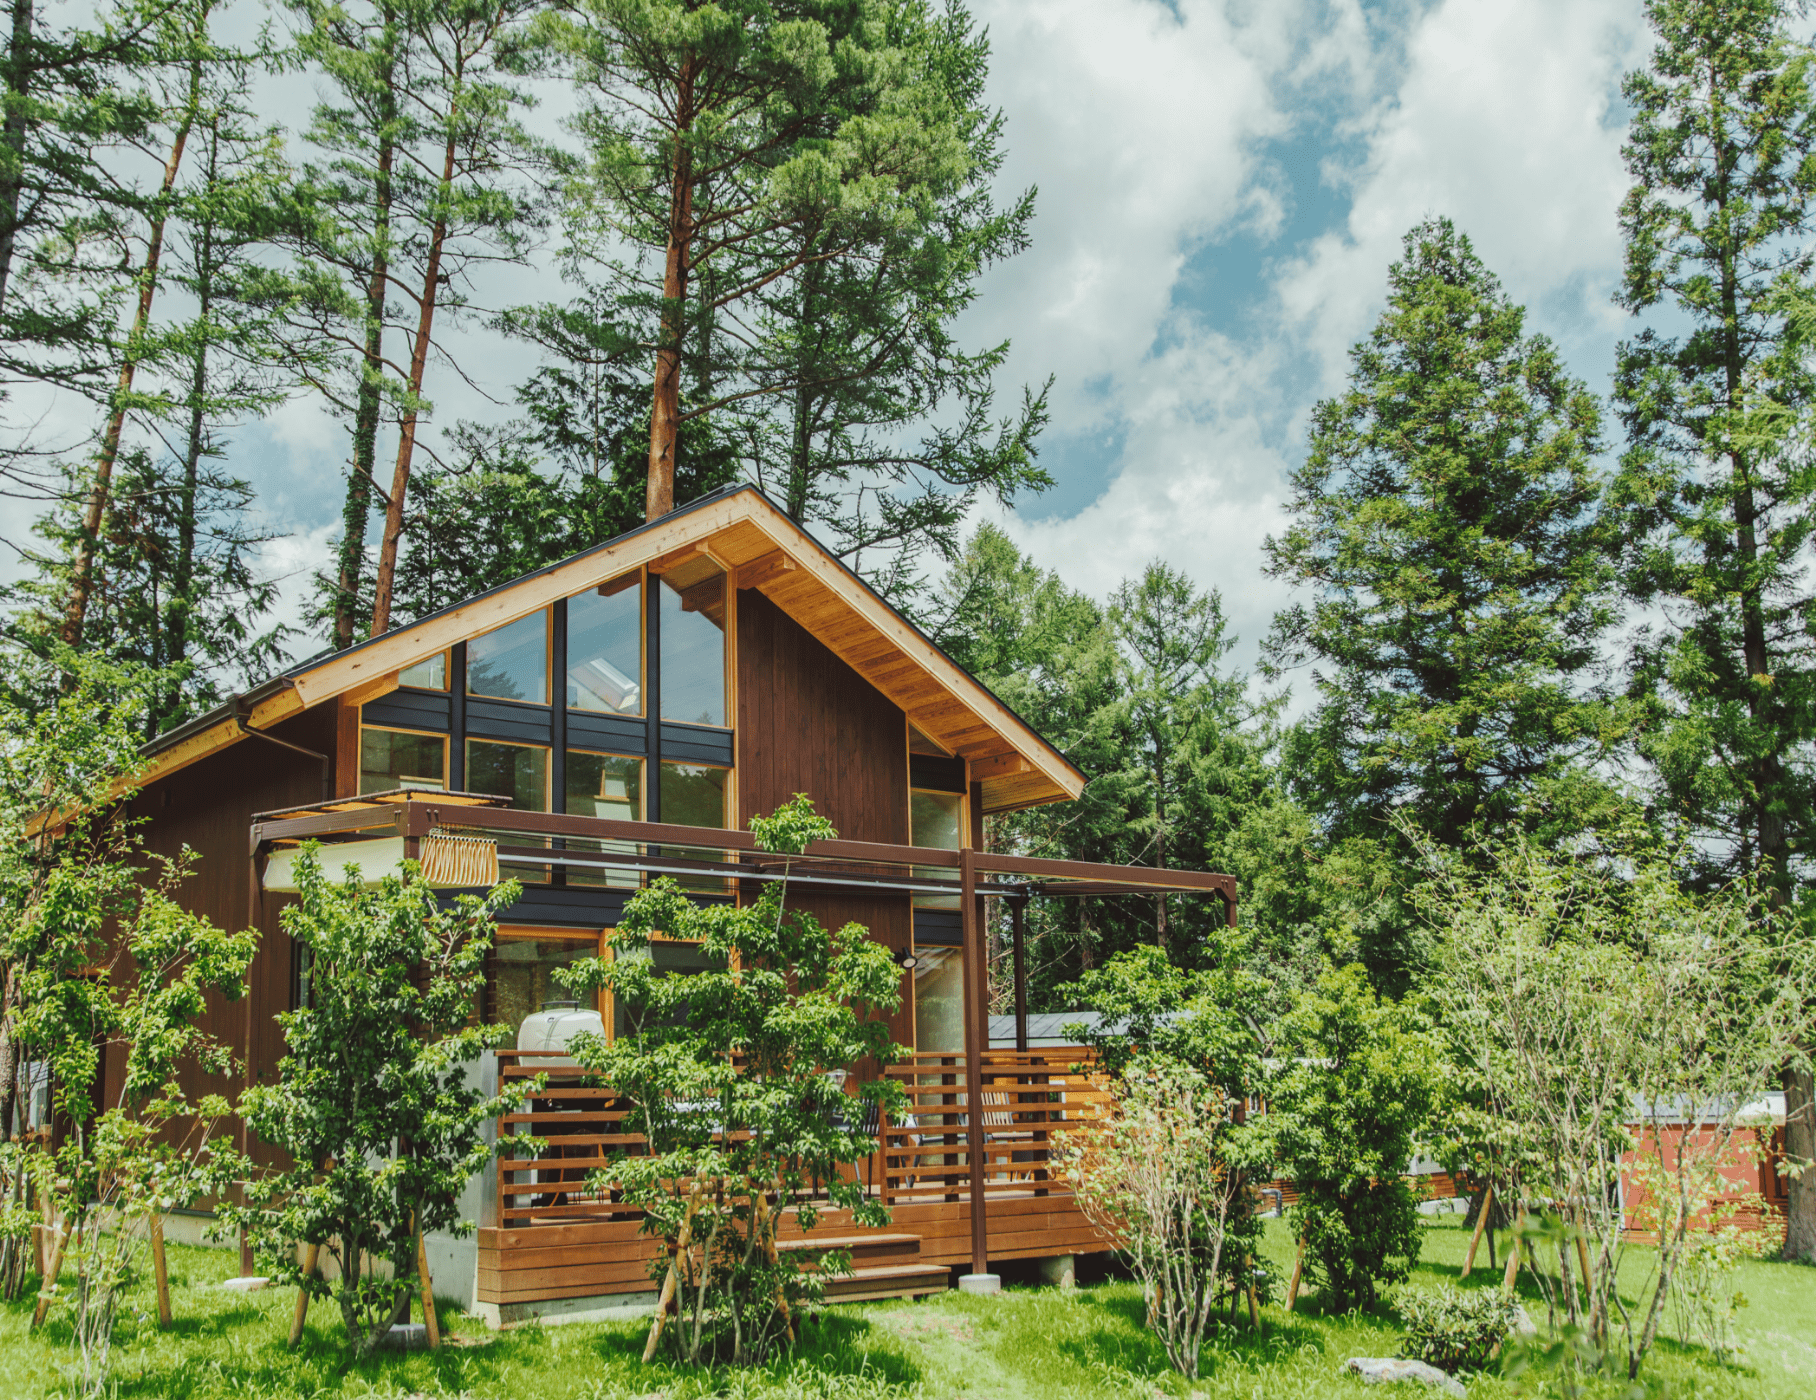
[1030,1099]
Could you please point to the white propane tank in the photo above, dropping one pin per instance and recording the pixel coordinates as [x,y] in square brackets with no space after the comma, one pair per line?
[552,1028]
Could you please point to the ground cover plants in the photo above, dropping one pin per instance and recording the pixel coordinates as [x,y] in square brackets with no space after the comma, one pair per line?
[1030,1343]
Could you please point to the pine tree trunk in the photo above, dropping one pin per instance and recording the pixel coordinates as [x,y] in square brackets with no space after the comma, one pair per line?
[100,491]
[372,367]
[18,90]
[177,611]
[665,412]
[383,584]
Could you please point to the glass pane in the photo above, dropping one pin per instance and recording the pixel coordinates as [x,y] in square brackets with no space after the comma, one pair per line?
[389,759]
[939,1000]
[935,819]
[604,785]
[693,652]
[605,652]
[671,960]
[431,673]
[693,794]
[522,980]
[513,662]
[516,771]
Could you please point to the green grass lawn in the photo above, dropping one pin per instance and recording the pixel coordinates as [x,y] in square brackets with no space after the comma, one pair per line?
[1029,1342]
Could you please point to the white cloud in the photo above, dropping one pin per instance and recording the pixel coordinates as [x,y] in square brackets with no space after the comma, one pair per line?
[1504,122]
[1146,133]
[1140,126]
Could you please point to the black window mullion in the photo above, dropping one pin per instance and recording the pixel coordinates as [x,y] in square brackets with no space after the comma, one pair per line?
[457,718]
[558,667]
[652,697]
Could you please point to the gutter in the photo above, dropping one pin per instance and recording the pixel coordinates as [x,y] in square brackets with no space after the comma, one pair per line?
[240,715]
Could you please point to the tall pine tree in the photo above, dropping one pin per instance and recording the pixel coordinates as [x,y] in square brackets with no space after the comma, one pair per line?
[1716,400]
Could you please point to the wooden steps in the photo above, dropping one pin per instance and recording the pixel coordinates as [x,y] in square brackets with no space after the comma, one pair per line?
[888,1281]
[884,1266]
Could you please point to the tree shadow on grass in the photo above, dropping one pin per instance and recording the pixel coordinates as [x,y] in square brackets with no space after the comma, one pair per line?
[831,1342]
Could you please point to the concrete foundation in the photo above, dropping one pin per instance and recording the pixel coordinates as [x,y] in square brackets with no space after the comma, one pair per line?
[609,1307]
[980,1283]
[1061,1270]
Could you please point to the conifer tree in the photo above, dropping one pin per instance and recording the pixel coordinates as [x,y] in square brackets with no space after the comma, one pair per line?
[1447,521]
[1716,400]
[871,421]
[713,135]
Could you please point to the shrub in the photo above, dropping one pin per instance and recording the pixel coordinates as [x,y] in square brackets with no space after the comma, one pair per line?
[1162,1174]
[1454,1328]
[372,1103]
[1344,1116]
[725,1074]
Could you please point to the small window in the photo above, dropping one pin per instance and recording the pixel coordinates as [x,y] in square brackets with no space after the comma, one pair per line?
[671,959]
[693,794]
[431,673]
[693,649]
[517,771]
[390,759]
[936,819]
[523,968]
[605,648]
[521,773]
[512,663]
[604,785]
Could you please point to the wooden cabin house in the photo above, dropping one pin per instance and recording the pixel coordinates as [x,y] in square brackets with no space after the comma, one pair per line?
[623,712]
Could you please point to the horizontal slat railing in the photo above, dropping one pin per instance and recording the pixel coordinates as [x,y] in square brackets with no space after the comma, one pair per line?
[580,1125]
[1030,1100]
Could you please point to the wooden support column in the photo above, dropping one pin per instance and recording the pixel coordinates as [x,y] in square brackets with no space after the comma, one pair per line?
[1017,907]
[977,1026]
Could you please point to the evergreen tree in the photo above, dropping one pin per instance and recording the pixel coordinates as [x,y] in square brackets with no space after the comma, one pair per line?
[855,353]
[1448,520]
[72,109]
[149,548]
[713,135]
[1716,402]
[1179,765]
[425,177]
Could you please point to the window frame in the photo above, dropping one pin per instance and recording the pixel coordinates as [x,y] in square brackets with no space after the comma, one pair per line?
[447,673]
[548,663]
[528,933]
[548,767]
[447,744]
[642,576]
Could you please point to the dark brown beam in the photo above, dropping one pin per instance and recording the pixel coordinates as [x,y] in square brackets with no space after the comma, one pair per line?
[1016,909]
[977,1025]
[1138,875]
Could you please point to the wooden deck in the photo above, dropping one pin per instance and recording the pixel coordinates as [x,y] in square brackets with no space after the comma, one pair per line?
[558,1237]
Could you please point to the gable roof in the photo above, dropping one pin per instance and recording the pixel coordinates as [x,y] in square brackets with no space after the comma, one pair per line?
[740,531]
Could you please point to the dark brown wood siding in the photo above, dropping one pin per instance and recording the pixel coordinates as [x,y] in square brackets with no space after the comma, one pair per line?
[809,723]
[208,807]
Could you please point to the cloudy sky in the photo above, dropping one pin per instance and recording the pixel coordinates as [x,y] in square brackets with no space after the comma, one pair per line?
[1222,187]
[1222,184]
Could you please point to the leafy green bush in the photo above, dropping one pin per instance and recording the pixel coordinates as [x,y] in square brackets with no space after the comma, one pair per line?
[1352,1098]
[1452,1328]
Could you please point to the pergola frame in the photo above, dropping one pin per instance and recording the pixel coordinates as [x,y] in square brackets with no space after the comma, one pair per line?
[975,874]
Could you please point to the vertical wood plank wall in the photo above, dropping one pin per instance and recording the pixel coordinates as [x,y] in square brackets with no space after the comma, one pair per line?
[808,723]
[208,806]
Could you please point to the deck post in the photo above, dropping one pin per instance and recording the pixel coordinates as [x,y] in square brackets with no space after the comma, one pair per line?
[976,1028]
[1016,906]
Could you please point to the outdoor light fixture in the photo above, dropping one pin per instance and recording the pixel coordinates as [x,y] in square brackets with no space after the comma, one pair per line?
[906,958]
